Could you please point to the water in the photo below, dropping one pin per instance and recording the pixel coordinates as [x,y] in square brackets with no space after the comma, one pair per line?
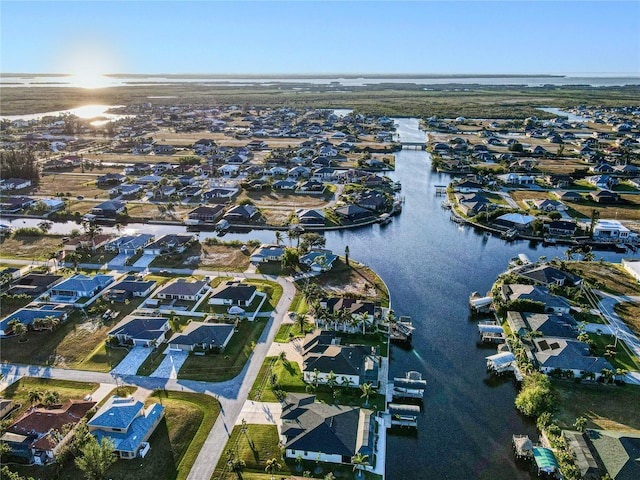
[431,265]
[571,117]
[338,81]
[86,111]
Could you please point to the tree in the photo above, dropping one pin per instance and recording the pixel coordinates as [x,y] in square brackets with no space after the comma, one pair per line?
[346,382]
[301,321]
[607,375]
[96,458]
[272,466]
[289,258]
[535,397]
[237,466]
[45,226]
[283,357]
[346,254]
[18,328]
[22,163]
[580,424]
[34,396]
[332,380]
[359,462]
[312,240]
[50,397]
[367,390]
[278,237]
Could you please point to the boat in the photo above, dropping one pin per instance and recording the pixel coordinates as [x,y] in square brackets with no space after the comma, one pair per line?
[385,218]
[409,387]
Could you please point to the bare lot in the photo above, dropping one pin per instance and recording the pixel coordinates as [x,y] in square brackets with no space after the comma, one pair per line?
[29,248]
[76,184]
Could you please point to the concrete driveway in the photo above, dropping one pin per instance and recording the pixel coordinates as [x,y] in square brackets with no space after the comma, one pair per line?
[144,261]
[260,413]
[118,261]
[293,350]
[130,364]
[171,364]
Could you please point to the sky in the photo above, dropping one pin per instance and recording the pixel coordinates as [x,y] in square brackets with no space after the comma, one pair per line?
[306,37]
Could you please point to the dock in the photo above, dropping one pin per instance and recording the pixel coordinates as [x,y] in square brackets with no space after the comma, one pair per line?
[402,331]
[480,304]
[491,332]
[522,446]
[403,415]
[410,387]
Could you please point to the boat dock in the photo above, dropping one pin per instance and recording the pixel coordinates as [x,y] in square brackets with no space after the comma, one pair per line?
[522,446]
[403,415]
[480,304]
[491,332]
[411,387]
[402,331]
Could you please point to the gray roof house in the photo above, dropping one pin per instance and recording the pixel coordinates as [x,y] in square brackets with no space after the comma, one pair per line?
[206,336]
[329,433]
[233,293]
[79,286]
[130,287]
[566,354]
[183,290]
[535,293]
[141,331]
[266,253]
[617,452]
[549,324]
[169,243]
[129,244]
[109,209]
[548,275]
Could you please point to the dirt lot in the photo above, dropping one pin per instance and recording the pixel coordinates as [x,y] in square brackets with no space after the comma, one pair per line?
[29,248]
[606,276]
[76,184]
[284,199]
[627,211]
[630,314]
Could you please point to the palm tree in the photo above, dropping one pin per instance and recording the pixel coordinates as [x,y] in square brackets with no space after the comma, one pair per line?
[283,357]
[272,466]
[589,257]
[607,375]
[301,321]
[580,424]
[359,462]
[346,254]
[367,390]
[278,237]
[346,382]
[50,397]
[34,396]
[316,377]
[620,373]
[362,319]
[18,328]
[332,380]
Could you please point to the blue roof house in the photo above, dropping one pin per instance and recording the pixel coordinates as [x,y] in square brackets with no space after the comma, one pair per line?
[126,422]
[79,286]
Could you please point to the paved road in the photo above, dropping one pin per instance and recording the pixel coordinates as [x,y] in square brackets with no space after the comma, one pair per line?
[231,394]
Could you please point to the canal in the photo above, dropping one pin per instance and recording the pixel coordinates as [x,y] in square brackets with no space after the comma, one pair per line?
[431,265]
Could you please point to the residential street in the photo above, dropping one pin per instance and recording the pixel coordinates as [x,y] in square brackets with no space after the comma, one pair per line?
[231,394]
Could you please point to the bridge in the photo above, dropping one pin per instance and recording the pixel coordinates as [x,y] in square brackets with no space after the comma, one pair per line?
[414,145]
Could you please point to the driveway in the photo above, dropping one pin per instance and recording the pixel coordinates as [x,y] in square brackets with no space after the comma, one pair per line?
[118,261]
[171,364]
[292,349]
[144,261]
[260,413]
[130,364]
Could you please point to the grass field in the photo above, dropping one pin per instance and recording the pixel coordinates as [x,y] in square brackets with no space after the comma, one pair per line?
[609,277]
[74,183]
[30,248]
[605,406]
[630,314]
[283,335]
[623,359]
[289,379]
[353,279]
[629,210]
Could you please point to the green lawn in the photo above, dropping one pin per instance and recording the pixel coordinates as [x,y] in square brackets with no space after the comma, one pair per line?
[224,366]
[103,358]
[283,335]
[272,289]
[606,406]
[299,304]
[623,359]
[289,379]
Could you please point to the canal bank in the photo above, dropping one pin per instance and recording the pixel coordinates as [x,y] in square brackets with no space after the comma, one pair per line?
[430,265]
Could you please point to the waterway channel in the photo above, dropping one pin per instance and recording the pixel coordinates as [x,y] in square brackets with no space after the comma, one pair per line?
[431,265]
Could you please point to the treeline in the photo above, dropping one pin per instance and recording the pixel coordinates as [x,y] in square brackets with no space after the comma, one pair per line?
[19,164]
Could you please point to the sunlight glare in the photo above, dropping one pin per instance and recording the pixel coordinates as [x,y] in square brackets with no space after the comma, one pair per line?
[89,80]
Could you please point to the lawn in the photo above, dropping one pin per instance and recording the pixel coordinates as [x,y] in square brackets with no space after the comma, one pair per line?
[609,277]
[628,209]
[30,248]
[174,445]
[629,312]
[288,331]
[289,379]
[102,359]
[273,291]
[66,346]
[299,304]
[275,268]
[606,406]
[353,279]
[623,359]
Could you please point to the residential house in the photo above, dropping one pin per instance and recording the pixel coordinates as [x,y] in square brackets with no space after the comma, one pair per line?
[34,284]
[29,314]
[547,205]
[129,244]
[568,196]
[109,209]
[553,353]
[617,452]
[327,433]
[130,287]
[164,149]
[310,217]
[202,336]
[267,253]
[357,308]
[79,286]
[318,260]
[552,303]
[548,324]
[86,241]
[517,179]
[183,290]
[354,213]
[127,424]
[605,196]
[285,185]
[467,186]
[562,228]
[205,214]
[514,220]
[168,244]
[33,435]
[613,231]
[241,214]
[212,193]
[140,331]
[15,204]
[548,275]
[14,184]
[472,204]
[110,178]
[233,292]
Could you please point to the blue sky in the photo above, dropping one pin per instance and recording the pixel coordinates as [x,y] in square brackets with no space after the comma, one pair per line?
[320,37]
